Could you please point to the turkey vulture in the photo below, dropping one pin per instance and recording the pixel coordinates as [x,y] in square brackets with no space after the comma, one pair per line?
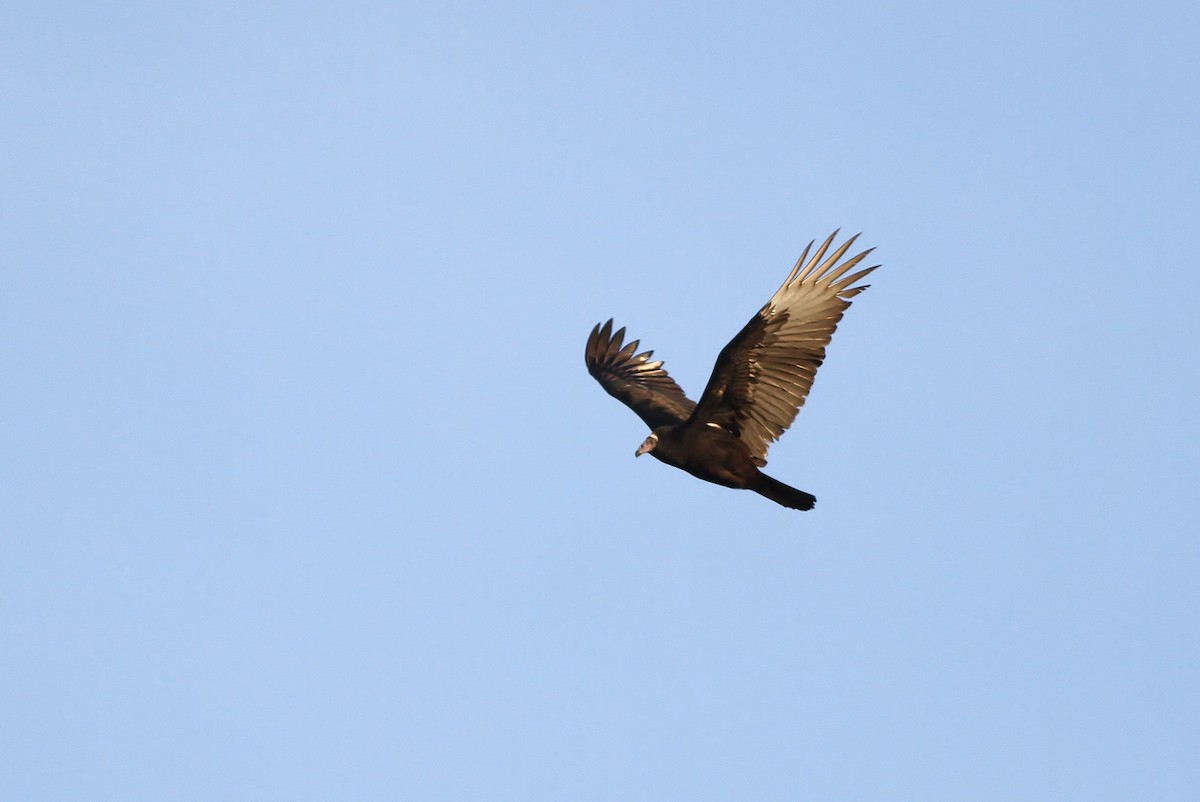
[758,385]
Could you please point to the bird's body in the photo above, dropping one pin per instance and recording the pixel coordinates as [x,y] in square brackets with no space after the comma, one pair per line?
[760,380]
[710,453]
[706,452]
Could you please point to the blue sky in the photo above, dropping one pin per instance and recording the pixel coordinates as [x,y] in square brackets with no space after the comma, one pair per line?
[308,495]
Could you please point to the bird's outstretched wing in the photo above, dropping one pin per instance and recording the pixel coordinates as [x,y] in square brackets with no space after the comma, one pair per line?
[762,377]
[642,385]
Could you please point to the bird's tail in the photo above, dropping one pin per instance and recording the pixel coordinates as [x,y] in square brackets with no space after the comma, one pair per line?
[782,494]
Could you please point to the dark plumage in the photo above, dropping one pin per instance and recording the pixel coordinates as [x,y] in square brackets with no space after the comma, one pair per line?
[758,384]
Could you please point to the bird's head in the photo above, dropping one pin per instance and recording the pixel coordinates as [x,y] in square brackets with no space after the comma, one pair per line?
[647,445]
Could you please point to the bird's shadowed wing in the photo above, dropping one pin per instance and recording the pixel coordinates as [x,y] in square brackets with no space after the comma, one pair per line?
[762,377]
[642,385]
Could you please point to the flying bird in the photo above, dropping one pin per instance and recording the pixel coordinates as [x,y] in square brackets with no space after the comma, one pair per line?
[760,381]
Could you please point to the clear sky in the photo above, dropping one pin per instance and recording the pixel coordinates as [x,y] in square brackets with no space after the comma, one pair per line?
[307,494]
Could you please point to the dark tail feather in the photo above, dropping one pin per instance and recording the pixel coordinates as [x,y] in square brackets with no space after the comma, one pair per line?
[782,494]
